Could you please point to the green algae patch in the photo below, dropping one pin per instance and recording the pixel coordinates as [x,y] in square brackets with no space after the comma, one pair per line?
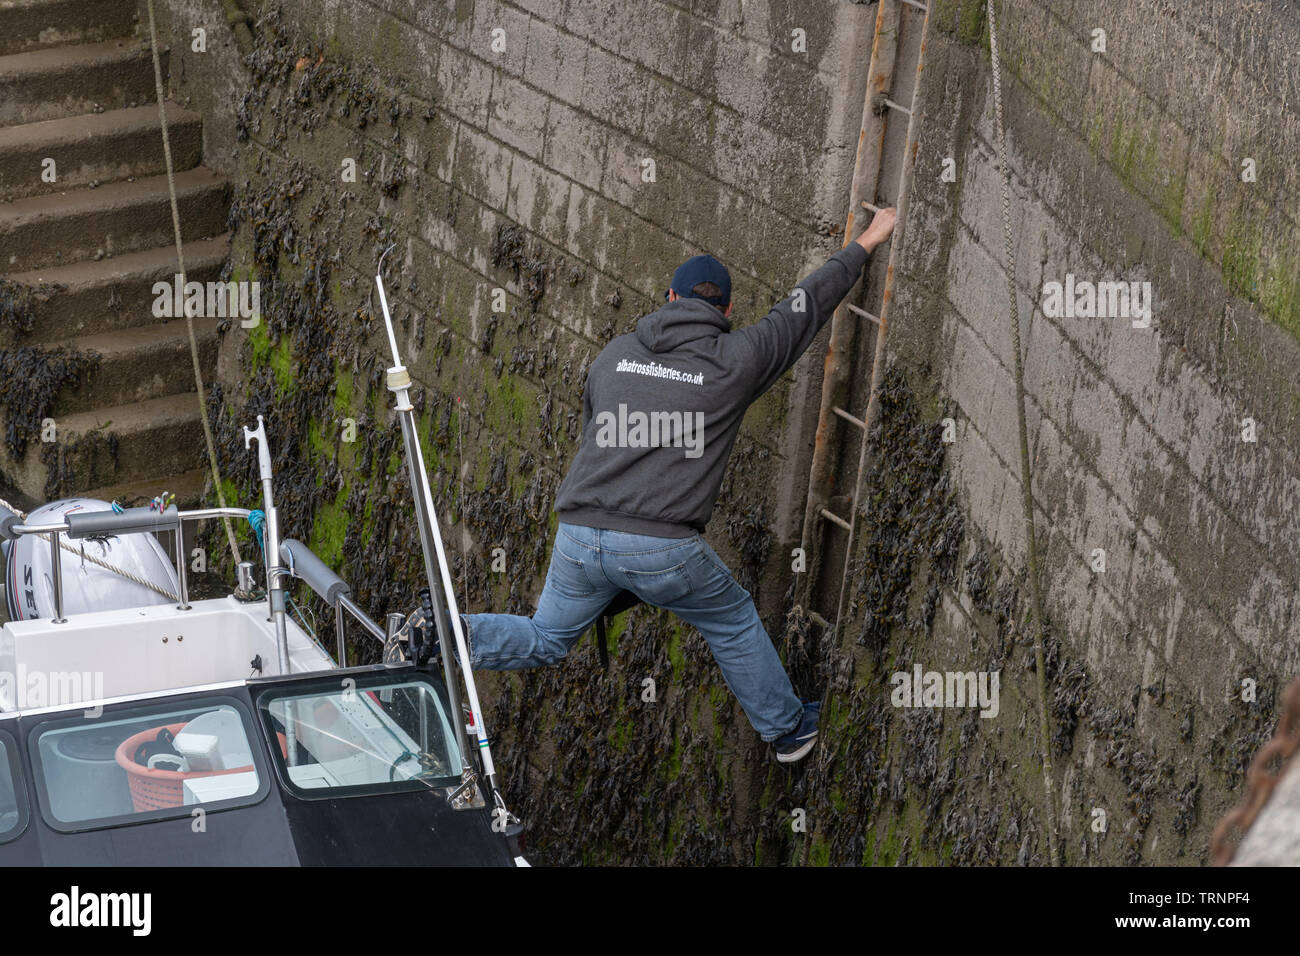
[965,20]
[621,734]
[675,656]
[329,530]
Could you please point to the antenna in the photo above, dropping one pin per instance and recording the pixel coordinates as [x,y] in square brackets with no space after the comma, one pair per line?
[439,578]
[383,302]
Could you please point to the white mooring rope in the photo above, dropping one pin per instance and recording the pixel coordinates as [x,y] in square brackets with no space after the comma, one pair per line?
[81,552]
[180,265]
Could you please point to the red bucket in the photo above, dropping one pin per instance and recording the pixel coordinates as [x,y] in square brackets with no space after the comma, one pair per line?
[158,789]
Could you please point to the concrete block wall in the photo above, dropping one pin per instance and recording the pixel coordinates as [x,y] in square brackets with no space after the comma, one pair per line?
[1126,164]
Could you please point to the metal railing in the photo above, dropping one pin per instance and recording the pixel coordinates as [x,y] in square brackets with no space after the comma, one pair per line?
[147,521]
[131,521]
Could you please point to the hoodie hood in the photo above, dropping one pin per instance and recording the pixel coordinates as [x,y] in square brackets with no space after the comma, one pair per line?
[680,322]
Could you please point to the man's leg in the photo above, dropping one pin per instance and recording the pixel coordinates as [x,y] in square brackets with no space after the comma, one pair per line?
[574,594]
[690,580]
[724,613]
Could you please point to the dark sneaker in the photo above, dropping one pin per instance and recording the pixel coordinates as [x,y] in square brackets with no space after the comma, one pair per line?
[797,743]
[420,627]
[430,643]
[432,639]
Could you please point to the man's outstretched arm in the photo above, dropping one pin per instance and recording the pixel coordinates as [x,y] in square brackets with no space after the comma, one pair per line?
[784,334]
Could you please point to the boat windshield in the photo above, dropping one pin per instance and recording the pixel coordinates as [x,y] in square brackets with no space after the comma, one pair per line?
[145,761]
[362,735]
[11,816]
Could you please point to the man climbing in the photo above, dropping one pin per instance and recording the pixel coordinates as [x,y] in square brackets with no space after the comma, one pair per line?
[661,410]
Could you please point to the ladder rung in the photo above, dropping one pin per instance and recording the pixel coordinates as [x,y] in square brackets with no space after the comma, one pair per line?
[835,519]
[898,106]
[913,3]
[862,312]
[849,418]
[867,205]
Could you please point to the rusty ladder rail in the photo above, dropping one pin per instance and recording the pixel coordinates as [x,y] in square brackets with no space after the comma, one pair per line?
[833,418]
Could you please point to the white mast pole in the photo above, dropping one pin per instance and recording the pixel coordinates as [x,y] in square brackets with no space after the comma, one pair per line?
[399,382]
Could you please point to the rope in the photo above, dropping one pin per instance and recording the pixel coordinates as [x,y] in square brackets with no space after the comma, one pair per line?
[81,551]
[257,521]
[1027,498]
[124,573]
[180,266]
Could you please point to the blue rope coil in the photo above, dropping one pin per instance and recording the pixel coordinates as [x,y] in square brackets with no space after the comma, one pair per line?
[257,521]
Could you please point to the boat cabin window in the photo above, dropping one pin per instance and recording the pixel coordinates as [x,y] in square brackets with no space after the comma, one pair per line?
[362,735]
[145,762]
[11,791]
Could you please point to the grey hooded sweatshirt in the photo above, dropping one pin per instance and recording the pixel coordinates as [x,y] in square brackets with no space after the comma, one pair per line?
[663,404]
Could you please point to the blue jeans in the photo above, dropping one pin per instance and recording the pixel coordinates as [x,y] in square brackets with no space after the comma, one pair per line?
[590,565]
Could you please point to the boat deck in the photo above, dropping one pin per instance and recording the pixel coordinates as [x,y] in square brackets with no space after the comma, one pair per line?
[141,651]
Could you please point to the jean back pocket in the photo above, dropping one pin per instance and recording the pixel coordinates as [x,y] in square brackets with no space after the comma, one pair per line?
[659,587]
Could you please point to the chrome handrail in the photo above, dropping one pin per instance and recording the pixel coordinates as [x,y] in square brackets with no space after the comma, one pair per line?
[196,515]
[54,530]
[62,527]
[362,618]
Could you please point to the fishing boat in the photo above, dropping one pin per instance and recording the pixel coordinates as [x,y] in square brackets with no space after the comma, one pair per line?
[139,727]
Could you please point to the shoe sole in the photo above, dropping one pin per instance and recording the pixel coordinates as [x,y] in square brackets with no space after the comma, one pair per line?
[797,754]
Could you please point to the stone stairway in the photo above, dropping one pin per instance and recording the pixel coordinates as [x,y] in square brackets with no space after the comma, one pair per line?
[76,85]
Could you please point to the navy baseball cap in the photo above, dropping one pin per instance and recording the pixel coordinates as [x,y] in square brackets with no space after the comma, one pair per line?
[699,269]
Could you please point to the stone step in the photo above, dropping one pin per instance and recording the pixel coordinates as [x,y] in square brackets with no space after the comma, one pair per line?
[85,298]
[111,446]
[98,147]
[73,80]
[30,24]
[61,228]
[187,487]
[140,363]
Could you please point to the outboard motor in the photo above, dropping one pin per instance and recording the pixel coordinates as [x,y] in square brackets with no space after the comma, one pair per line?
[87,585]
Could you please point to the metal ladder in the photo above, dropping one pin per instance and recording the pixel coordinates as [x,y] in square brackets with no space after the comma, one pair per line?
[897,55]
